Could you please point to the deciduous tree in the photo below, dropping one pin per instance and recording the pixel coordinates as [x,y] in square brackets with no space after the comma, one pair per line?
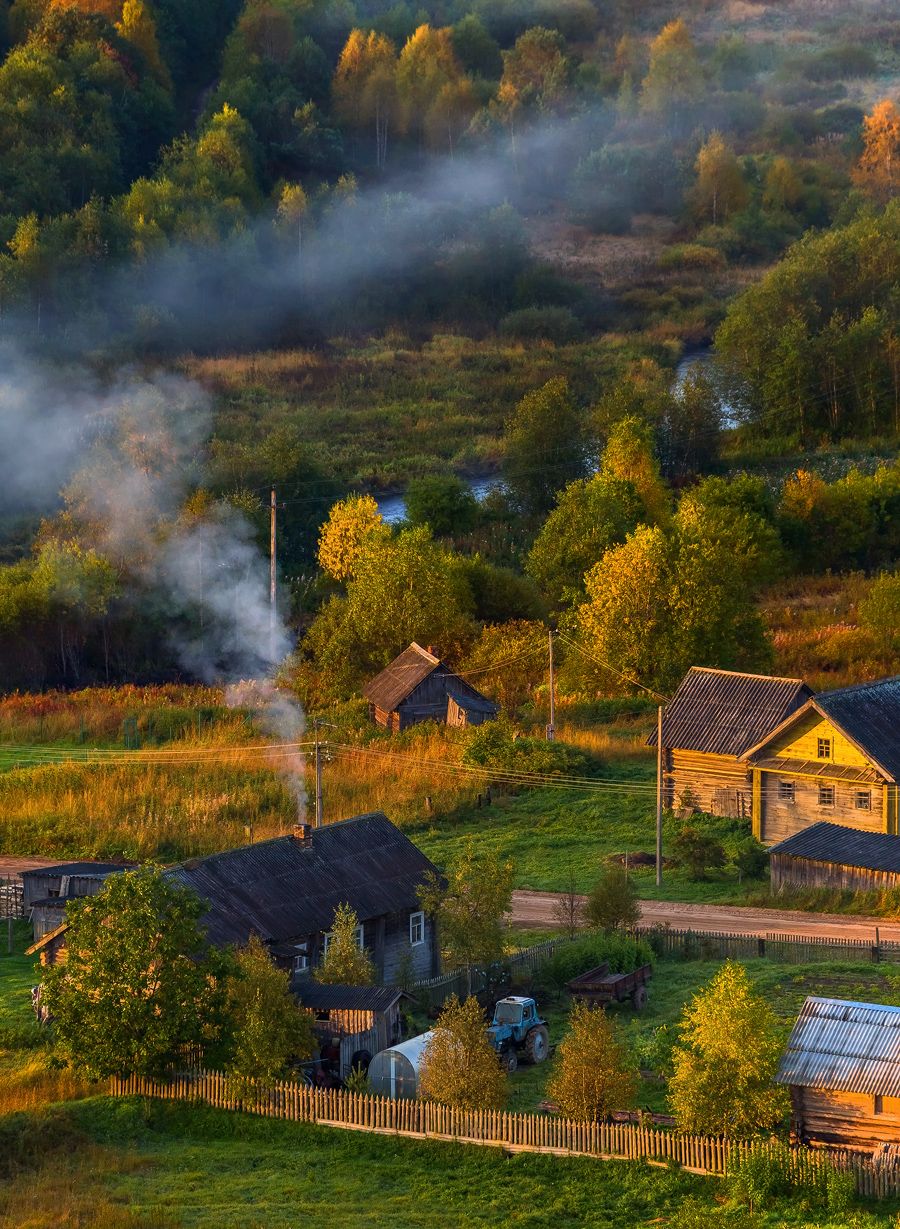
[353,525]
[725,1062]
[365,87]
[470,907]
[266,1025]
[612,902]
[720,189]
[594,1074]
[630,457]
[674,80]
[345,963]
[138,985]
[459,1066]
[878,169]
[543,445]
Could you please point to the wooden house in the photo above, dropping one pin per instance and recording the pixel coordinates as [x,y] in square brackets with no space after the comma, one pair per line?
[842,1067]
[47,889]
[713,719]
[418,686]
[834,856]
[286,891]
[835,759]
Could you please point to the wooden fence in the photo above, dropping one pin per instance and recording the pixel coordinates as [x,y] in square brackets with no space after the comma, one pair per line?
[529,959]
[12,897]
[541,1133]
[784,948]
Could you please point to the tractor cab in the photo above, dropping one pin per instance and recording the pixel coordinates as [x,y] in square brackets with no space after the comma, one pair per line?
[517,1028]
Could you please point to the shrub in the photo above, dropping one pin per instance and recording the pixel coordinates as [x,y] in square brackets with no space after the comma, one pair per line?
[495,745]
[751,858]
[773,1173]
[556,324]
[698,851]
[612,903]
[595,1074]
[691,256]
[622,952]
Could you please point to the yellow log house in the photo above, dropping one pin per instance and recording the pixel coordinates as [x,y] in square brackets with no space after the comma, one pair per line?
[836,759]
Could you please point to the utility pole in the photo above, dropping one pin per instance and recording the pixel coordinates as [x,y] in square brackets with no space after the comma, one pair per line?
[272,573]
[318,776]
[551,728]
[659,793]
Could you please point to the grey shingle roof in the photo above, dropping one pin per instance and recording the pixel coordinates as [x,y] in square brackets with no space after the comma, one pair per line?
[870,714]
[346,998]
[845,1047]
[77,868]
[824,842]
[723,712]
[283,888]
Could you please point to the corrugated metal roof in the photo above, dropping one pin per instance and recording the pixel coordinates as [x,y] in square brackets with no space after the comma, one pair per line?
[845,1047]
[817,768]
[402,676]
[870,714]
[84,869]
[346,998]
[722,712]
[469,700]
[824,842]
[285,888]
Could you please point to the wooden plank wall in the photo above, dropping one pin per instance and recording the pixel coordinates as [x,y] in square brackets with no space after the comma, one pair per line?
[845,1118]
[788,871]
[511,1131]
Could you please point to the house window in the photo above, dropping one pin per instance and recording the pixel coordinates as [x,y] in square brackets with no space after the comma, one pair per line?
[416,929]
[786,791]
[326,939]
[826,795]
[879,1103]
[862,800]
[300,962]
[823,748]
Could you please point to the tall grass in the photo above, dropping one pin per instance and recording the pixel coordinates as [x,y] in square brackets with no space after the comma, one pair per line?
[30,1083]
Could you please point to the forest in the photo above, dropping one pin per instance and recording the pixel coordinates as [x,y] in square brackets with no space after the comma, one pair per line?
[634,268]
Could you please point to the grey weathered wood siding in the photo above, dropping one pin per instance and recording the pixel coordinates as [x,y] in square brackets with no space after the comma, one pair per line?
[719,784]
[788,871]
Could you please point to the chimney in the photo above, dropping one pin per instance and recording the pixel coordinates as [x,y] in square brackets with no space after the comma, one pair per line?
[303,833]
[432,650]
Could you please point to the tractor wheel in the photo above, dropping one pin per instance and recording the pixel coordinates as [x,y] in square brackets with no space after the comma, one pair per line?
[537,1044]
[639,998]
[510,1061]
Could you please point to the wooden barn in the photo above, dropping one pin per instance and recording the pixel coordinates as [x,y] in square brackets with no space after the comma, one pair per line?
[834,759]
[842,1067]
[351,1021]
[47,889]
[713,719]
[418,686]
[834,856]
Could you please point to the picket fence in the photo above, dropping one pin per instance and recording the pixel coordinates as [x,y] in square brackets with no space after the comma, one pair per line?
[541,1133]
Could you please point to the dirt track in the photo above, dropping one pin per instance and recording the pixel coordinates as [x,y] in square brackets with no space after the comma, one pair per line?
[536,909]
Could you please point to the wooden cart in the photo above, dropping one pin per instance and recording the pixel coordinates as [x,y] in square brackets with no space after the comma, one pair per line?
[599,986]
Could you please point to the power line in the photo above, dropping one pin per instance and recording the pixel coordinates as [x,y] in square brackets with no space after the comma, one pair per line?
[606,666]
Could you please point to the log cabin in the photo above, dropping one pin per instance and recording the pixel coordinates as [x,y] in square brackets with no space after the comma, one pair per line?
[713,719]
[286,890]
[835,759]
[842,1068]
[418,686]
[834,856]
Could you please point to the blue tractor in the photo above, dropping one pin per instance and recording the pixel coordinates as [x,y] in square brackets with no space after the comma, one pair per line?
[517,1030]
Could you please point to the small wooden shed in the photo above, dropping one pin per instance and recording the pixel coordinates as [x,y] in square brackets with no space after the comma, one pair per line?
[418,686]
[842,1067]
[372,1013]
[833,856]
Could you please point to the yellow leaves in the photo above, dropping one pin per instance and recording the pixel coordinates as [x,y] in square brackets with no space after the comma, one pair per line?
[595,1074]
[459,1066]
[353,525]
[878,169]
[720,189]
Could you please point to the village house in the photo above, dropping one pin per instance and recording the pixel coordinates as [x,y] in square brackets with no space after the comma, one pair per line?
[286,891]
[713,719]
[47,889]
[836,759]
[834,856]
[418,686]
[842,1067]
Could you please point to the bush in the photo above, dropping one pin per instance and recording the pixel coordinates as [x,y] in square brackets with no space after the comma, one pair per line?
[556,324]
[774,1173]
[496,745]
[443,502]
[623,953]
[691,256]
[612,903]
[751,858]
[698,851]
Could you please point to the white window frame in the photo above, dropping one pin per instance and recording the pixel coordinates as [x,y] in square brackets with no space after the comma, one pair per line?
[300,963]
[326,939]
[417,920]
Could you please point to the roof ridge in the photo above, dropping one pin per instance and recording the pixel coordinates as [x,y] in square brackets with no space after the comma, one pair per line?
[746,674]
[839,691]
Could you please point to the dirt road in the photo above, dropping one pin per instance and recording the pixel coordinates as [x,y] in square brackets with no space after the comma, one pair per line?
[536,909]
